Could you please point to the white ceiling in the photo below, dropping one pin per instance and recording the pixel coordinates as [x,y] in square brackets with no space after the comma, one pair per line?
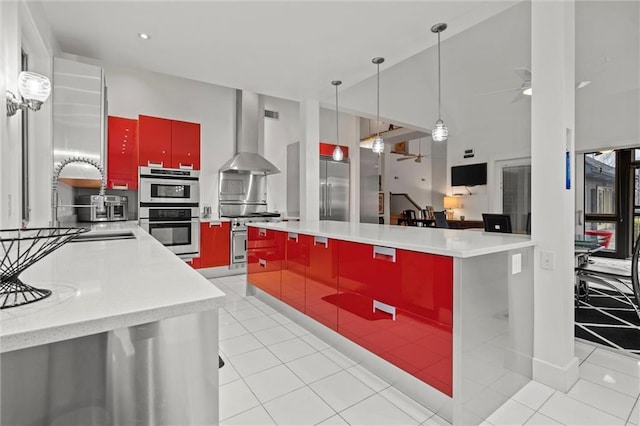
[289,49]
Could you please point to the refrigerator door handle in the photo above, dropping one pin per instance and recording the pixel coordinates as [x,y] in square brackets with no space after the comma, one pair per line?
[329,201]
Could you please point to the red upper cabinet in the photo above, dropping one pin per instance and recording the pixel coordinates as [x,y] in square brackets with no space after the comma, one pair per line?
[122,153]
[327,149]
[185,145]
[172,143]
[155,141]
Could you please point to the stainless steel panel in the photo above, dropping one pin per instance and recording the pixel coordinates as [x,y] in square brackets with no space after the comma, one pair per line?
[161,373]
[323,190]
[238,247]
[337,191]
[368,186]
[79,113]
[242,187]
[293,179]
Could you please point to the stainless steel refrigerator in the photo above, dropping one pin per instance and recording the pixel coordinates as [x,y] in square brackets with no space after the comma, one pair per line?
[334,190]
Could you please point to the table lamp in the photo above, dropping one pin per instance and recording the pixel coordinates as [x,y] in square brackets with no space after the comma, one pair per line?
[451,203]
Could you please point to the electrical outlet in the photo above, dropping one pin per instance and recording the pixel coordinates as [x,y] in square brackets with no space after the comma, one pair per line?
[546,260]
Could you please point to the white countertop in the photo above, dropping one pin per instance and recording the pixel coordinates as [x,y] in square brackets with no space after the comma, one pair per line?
[446,242]
[105,285]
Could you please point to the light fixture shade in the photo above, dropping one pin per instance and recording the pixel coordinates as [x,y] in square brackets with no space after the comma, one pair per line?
[528,91]
[451,202]
[338,155]
[378,145]
[440,133]
[33,86]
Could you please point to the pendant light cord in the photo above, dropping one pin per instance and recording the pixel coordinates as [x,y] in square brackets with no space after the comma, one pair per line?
[378,104]
[439,82]
[337,127]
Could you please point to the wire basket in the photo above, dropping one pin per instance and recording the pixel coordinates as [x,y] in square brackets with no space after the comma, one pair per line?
[21,248]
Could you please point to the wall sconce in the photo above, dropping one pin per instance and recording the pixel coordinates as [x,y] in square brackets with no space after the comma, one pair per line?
[34,89]
[451,203]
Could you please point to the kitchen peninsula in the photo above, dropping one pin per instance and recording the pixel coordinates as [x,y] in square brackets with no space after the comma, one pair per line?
[445,315]
[129,336]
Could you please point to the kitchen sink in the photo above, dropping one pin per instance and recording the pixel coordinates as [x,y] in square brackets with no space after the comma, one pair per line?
[104,236]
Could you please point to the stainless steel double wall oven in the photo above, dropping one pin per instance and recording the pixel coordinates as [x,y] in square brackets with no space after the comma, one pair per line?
[170,208]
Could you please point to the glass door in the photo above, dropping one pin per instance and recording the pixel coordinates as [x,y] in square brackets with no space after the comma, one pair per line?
[515,187]
[607,200]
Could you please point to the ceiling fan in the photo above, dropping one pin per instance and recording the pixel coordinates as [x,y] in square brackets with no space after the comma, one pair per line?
[525,88]
[418,158]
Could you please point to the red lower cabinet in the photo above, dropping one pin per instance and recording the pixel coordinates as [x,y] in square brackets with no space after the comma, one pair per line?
[398,304]
[294,270]
[215,244]
[265,254]
[321,290]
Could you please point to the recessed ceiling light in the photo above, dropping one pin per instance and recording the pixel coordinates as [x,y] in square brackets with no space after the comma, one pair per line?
[583,84]
[144,36]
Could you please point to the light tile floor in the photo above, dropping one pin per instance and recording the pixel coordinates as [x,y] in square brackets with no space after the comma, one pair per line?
[278,373]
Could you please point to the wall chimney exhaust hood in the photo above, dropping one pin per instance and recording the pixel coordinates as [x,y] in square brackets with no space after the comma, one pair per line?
[249,120]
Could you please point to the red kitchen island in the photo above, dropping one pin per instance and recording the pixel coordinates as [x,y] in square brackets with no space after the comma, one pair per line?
[444,315]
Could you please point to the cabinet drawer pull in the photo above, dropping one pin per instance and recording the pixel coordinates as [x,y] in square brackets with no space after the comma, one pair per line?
[292,236]
[125,186]
[215,224]
[185,166]
[154,164]
[262,232]
[391,310]
[262,263]
[321,240]
[384,253]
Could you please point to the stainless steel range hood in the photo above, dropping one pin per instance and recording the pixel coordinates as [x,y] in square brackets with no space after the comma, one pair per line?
[249,118]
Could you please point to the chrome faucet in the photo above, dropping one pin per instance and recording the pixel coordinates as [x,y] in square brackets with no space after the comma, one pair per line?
[54,186]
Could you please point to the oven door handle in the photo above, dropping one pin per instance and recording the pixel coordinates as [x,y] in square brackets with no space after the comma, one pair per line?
[162,222]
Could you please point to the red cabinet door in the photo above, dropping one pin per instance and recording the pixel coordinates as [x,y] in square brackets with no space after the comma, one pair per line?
[122,153]
[294,270]
[321,289]
[185,145]
[215,244]
[356,318]
[155,141]
[265,252]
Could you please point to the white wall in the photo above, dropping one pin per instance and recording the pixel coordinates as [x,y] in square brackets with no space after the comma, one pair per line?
[410,177]
[277,135]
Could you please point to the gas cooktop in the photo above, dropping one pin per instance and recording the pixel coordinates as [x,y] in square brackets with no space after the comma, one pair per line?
[253,215]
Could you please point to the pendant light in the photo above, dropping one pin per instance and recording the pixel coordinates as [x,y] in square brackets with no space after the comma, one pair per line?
[378,143]
[338,155]
[440,133]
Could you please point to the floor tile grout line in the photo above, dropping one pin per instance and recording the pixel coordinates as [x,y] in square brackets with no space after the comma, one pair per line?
[632,408]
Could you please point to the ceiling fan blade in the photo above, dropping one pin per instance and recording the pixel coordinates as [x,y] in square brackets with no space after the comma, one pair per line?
[498,91]
[523,73]
[407,158]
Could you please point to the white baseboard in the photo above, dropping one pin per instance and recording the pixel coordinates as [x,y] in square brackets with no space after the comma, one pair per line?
[558,377]
[221,271]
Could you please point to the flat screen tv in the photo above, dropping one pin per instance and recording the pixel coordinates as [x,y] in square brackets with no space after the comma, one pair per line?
[469,175]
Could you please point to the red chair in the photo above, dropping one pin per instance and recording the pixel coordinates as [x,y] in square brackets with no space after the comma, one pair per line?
[606,236]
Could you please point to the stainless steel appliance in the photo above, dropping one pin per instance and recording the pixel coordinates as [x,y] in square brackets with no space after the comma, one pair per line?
[169,208]
[239,235]
[175,186]
[334,189]
[115,208]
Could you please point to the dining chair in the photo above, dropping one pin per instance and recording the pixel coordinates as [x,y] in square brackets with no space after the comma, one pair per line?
[410,217]
[609,276]
[441,219]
